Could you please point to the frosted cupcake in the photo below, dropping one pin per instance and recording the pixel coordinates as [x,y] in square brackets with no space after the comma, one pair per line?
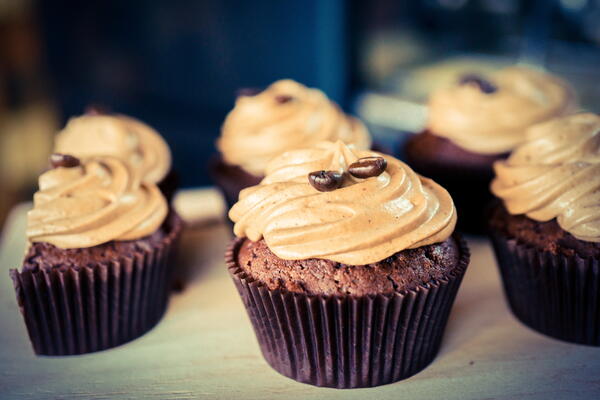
[347,264]
[478,121]
[285,116]
[96,273]
[546,231]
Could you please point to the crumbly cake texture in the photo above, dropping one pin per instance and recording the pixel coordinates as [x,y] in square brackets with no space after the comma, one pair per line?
[546,236]
[45,256]
[403,271]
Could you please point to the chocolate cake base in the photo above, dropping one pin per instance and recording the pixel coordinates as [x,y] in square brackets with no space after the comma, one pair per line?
[77,301]
[466,176]
[400,272]
[551,279]
[347,340]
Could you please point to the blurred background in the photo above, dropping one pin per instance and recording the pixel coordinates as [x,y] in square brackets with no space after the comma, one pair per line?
[177,64]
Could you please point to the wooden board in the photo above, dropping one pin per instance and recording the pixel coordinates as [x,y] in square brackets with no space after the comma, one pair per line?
[204,346]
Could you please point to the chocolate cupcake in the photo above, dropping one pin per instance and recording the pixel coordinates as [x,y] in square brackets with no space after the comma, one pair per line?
[100,134]
[476,122]
[285,116]
[97,272]
[546,230]
[347,264]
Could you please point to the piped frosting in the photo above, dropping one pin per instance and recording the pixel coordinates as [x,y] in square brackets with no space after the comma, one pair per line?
[364,221]
[117,136]
[285,116]
[494,122]
[556,174]
[94,203]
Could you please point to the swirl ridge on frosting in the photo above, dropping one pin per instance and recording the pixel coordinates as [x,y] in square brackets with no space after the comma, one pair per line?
[261,127]
[495,123]
[117,136]
[556,174]
[94,203]
[364,221]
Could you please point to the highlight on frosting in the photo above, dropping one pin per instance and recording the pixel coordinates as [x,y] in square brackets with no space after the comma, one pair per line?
[494,122]
[94,203]
[285,116]
[556,174]
[363,221]
[117,136]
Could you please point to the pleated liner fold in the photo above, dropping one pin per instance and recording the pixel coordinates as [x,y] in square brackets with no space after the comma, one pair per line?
[75,310]
[348,341]
[554,294]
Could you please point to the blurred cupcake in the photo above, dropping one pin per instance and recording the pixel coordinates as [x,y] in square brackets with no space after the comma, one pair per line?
[285,116]
[476,122]
[95,274]
[100,134]
[347,265]
[546,234]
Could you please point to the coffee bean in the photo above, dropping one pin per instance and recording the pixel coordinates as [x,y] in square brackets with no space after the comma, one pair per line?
[283,98]
[325,181]
[367,167]
[63,160]
[483,84]
[96,109]
[247,92]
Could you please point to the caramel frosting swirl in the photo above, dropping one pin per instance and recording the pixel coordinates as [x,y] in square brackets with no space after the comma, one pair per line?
[117,136]
[94,203]
[285,116]
[495,122]
[364,221]
[556,174]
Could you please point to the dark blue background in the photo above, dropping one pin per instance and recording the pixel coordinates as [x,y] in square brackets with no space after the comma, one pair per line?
[177,64]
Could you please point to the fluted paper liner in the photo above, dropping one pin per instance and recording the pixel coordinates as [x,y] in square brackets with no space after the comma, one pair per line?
[75,310]
[348,341]
[554,294]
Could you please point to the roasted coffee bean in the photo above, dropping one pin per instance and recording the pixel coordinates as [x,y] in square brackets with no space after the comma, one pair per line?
[63,160]
[325,181]
[96,109]
[283,98]
[247,92]
[483,84]
[367,167]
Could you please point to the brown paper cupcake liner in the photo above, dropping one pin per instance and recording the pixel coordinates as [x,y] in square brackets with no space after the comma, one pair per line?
[348,341]
[554,294]
[75,310]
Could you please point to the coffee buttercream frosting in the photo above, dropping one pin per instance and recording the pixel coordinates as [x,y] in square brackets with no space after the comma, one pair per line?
[118,136]
[94,203]
[556,174]
[493,119]
[285,116]
[362,222]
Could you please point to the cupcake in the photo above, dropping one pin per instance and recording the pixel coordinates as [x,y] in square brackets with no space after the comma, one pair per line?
[285,116]
[96,273]
[347,264]
[477,122]
[546,229]
[101,134]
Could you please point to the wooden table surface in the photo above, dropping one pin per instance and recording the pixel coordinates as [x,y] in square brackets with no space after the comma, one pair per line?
[204,346]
